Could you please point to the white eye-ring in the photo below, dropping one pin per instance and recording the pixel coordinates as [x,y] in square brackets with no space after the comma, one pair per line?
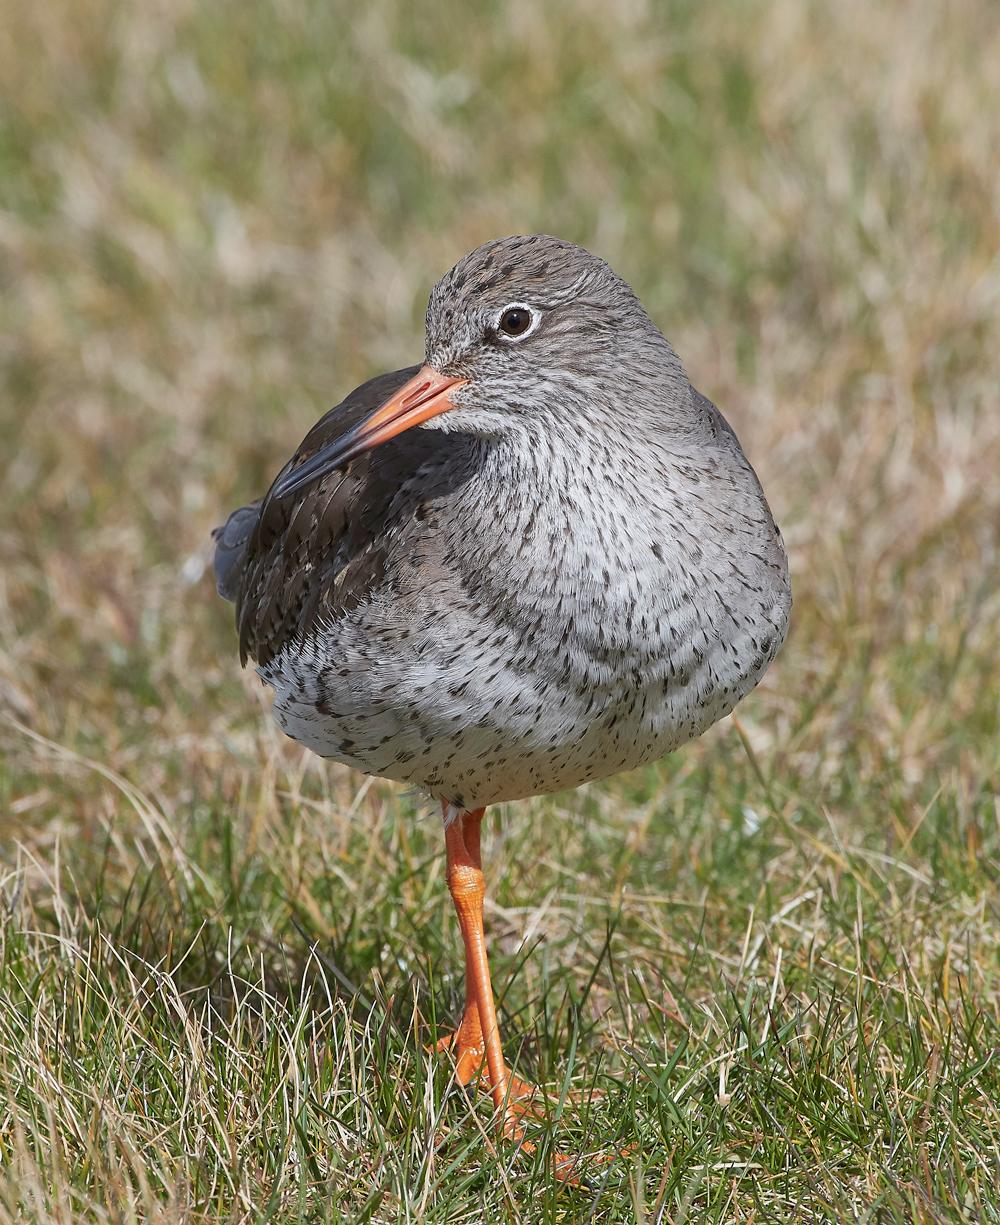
[517,321]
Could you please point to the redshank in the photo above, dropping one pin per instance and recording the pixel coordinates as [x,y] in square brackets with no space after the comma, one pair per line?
[538,559]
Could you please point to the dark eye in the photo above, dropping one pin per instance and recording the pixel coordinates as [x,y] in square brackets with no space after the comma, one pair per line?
[516,321]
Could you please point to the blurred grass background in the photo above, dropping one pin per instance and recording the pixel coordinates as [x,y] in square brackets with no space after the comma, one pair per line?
[774,965]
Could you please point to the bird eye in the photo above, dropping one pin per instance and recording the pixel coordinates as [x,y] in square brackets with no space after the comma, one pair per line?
[516,321]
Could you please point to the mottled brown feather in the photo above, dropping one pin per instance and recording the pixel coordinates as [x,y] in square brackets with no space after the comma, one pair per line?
[286,562]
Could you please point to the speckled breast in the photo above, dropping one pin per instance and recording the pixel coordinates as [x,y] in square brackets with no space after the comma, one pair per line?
[500,690]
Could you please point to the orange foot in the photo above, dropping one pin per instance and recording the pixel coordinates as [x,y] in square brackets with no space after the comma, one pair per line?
[521,1098]
[468,1047]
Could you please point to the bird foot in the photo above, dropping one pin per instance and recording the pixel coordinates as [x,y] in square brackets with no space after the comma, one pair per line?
[566,1169]
[468,1049]
[523,1101]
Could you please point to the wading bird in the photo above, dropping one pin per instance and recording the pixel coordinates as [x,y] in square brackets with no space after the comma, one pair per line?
[538,559]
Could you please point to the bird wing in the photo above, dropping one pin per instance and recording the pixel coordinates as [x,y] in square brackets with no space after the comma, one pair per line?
[283,560]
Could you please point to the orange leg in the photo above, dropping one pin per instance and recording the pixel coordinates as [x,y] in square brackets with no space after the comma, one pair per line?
[468,1040]
[479,1033]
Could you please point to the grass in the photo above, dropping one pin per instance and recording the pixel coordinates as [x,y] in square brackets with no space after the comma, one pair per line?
[765,974]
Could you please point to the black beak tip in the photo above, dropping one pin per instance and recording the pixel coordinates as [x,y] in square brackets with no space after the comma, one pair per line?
[291,483]
[315,467]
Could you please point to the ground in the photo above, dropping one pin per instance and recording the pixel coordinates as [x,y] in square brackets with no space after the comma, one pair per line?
[761,980]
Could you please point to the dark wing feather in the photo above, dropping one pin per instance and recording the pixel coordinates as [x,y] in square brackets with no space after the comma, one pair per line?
[285,560]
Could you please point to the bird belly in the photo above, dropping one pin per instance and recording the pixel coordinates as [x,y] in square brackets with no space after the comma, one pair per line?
[488,717]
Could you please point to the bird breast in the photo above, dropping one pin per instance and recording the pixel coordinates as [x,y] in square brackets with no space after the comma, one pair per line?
[546,627]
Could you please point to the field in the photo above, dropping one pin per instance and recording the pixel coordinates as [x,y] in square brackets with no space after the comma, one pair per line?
[761,980]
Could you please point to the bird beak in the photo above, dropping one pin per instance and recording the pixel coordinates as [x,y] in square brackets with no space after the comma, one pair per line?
[424,396]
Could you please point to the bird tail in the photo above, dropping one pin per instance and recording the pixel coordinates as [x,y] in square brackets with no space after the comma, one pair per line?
[231,547]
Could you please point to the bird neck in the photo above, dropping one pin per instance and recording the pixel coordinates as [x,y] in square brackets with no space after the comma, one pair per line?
[547,482]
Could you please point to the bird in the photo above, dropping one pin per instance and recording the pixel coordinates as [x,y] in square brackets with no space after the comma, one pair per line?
[536,559]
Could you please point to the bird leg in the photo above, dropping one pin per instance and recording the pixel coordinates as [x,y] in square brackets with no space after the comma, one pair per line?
[478,1034]
[467,1040]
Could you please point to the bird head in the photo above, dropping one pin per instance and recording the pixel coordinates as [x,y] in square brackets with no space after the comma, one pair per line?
[532,326]
[524,332]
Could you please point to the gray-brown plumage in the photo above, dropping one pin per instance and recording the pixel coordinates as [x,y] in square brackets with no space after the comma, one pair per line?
[567,571]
